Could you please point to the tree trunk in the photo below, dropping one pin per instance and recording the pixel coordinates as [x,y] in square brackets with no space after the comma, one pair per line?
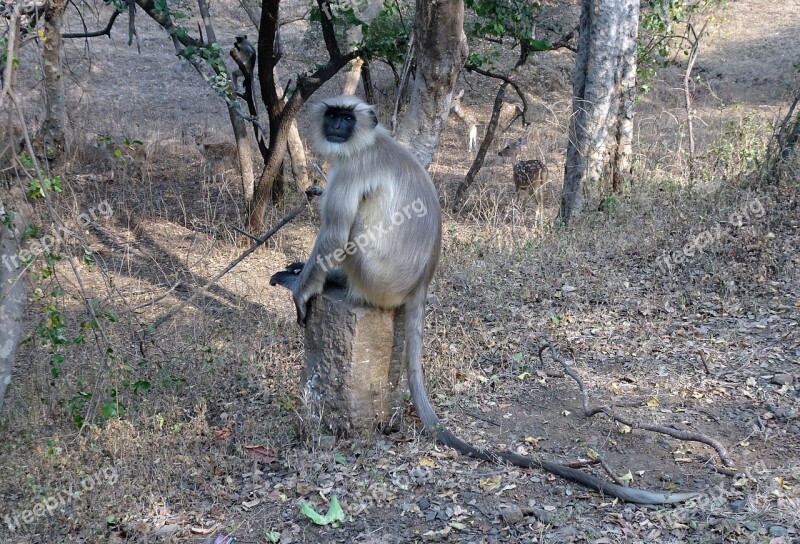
[602,101]
[12,284]
[441,50]
[281,116]
[297,156]
[354,36]
[53,128]
[244,152]
[622,144]
[352,77]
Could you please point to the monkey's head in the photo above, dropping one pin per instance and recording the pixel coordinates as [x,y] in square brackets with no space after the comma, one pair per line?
[344,126]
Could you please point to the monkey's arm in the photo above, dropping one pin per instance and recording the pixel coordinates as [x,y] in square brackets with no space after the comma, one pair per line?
[331,246]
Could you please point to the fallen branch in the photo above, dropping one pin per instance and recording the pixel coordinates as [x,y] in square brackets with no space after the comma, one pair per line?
[589,412]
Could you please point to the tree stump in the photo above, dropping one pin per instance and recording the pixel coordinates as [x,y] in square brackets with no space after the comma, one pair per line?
[353,378]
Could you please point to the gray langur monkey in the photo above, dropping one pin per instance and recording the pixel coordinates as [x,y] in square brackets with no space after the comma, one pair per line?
[244,54]
[381,237]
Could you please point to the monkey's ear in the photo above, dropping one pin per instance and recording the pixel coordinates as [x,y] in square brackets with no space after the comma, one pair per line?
[374,118]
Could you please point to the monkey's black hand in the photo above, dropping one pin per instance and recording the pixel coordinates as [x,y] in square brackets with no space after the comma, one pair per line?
[287,278]
[301,304]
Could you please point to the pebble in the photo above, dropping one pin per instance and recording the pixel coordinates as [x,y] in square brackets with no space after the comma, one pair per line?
[738,506]
[512,515]
[782,379]
[542,515]
[777,530]
[424,504]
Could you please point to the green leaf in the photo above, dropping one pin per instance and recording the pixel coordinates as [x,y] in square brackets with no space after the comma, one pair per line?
[334,516]
[272,536]
[142,386]
[339,458]
[112,409]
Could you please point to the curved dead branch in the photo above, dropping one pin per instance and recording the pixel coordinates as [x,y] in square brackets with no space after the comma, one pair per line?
[675,433]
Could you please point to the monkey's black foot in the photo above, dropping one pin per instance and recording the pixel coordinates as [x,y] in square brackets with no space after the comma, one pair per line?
[287,278]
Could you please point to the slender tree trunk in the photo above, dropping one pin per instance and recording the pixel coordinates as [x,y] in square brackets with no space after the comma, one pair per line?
[622,143]
[297,156]
[244,152]
[55,118]
[604,73]
[441,48]
[352,77]
[354,36]
[12,284]
[687,79]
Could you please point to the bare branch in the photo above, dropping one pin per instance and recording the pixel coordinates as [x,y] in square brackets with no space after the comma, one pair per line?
[310,193]
[105,32]
[589,412]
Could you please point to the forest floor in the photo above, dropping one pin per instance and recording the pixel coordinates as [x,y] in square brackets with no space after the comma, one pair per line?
[213,438]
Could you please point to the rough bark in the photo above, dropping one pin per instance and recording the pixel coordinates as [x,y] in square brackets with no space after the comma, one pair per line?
[12,285]
[353,376]
[53,127]
[606,37]
[441,48]
[622,144]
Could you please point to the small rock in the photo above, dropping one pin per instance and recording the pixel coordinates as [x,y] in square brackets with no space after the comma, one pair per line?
[493,531]
[512,514]
[751,525]
[430,516]
[782,379]
[166,530]
[424,504]
[738,506]
[777,530]
[542,515]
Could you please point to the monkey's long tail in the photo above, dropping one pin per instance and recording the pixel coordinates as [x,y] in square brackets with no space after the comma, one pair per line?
[414,323]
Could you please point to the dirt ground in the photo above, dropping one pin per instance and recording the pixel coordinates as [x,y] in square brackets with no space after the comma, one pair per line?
[218,441]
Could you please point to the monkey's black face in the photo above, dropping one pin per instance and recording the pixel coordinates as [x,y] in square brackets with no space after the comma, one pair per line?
[339,124]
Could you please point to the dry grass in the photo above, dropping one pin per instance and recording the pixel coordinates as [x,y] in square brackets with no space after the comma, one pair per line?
[704,340]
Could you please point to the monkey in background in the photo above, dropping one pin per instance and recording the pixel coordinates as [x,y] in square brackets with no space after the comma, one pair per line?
[380,237]
[244,54]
